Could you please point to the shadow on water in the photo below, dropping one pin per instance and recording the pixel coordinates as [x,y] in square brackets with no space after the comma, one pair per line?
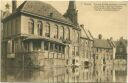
[80,74]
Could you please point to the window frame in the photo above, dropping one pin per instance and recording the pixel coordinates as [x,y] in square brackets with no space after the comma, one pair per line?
[31,26]
[47,31]
[40,28]
[56,31]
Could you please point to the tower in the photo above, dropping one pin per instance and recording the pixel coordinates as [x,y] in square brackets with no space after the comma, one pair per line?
[71,13]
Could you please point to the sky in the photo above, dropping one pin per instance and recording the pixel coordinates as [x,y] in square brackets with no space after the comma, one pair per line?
[108,23]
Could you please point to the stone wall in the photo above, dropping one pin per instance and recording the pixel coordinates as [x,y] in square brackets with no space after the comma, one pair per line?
[24,28]
[12,27]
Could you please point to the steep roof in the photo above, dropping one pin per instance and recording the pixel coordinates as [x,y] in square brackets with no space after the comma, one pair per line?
[42,9]
[90,35]
[83,33]
[86,33]
[112,43]
[123,41]
[101,43]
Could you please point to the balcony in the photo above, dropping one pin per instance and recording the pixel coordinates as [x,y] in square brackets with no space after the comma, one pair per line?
[43,38]
[66,41]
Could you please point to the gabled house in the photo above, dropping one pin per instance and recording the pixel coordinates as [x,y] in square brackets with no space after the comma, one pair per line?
[35,33]
[103,51]
[121,51]
[86,42]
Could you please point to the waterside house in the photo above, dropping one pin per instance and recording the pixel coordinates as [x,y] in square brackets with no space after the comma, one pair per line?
[36,34]
[103,51]
[121,51]
[86,46]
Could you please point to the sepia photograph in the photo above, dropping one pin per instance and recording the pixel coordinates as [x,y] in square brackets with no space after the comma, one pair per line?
[66,41]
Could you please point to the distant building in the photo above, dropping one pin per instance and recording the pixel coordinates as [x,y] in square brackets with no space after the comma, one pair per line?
[112,43]
[36,33]
[103,51]
[86,46]
[121,50]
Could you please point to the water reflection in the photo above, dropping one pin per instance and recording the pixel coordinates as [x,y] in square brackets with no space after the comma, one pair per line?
[99,73]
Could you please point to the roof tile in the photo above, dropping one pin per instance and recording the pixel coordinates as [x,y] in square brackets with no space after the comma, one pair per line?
[42,9]
[101,43]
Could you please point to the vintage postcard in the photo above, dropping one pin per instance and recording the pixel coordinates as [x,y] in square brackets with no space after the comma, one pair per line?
[63,41]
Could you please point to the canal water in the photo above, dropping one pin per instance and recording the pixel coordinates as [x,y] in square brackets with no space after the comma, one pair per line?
[100,73]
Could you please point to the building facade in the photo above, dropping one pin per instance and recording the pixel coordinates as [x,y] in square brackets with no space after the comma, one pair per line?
[35,33]
[86,46]
[121,51]
[103,51]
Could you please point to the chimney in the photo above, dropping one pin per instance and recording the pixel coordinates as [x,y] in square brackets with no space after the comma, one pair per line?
[14,5]
[100,36]
[82,25]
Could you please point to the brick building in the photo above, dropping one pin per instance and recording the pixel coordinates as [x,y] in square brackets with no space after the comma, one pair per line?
[86,46]
[35,33]
[103,51]
[121,51]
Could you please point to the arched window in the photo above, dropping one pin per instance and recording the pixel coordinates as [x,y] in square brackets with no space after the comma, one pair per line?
[67,33]
[76,36]
[40,28]
[61,32]
[31,26]
[73,35]
[56,31]
[47,33]
[7,29]
[16,26]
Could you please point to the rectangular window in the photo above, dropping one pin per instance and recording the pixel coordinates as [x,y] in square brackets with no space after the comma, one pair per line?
[96,57]
[4,26]
[11,29]
[97,49]
[26,46]
[60,49]
[13,46]
[6,30]
[63,49]
[14,31]
[46,45]
[51,47]
[16,26]
[76,51]
[56,48]
[37,45]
